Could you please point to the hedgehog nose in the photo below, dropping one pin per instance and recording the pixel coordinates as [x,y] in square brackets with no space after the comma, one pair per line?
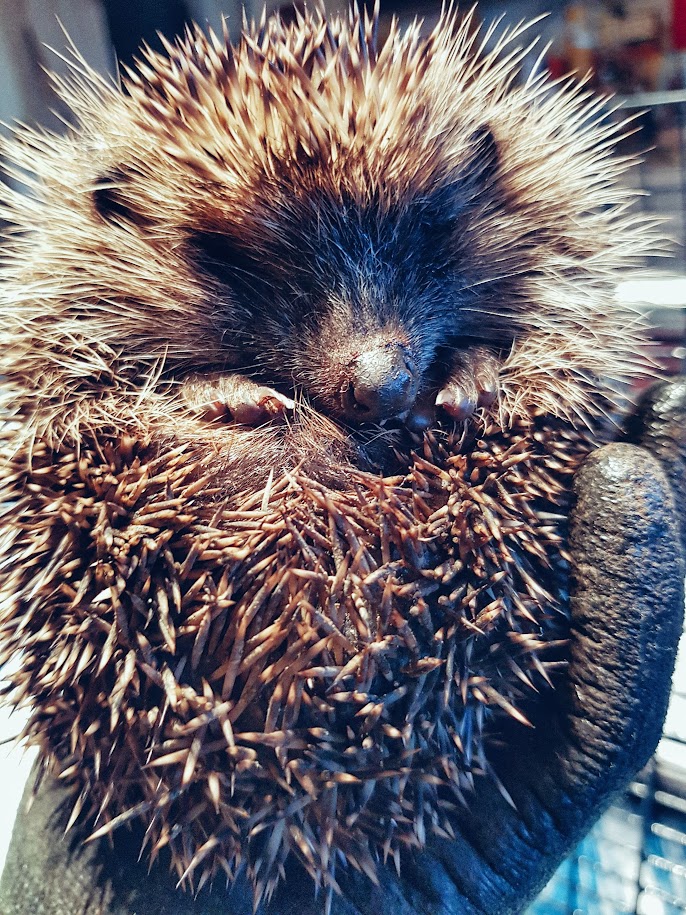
[383,384]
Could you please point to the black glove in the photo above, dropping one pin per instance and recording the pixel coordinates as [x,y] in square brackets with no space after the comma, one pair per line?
[591,734]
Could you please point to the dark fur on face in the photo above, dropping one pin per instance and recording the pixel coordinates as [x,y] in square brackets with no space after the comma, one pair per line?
[338,277]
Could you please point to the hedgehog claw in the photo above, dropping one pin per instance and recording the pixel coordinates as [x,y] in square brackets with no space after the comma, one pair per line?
[236,398]
[458,400]
[473,383]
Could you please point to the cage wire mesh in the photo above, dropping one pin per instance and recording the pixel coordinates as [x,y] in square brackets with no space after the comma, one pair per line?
[634,861]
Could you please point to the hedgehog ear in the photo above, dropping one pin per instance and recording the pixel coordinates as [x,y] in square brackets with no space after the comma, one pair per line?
[111,202]
[477,172]
[485,156]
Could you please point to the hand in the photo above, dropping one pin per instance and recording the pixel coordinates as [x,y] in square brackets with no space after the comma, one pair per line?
[591,734]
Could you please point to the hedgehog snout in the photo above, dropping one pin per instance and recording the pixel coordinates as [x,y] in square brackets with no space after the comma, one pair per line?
[380,383]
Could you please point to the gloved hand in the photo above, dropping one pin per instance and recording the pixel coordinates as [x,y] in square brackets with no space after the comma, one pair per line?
[591,735]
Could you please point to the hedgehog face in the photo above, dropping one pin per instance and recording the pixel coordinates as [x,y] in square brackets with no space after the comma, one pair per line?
[352,304]
[354,299]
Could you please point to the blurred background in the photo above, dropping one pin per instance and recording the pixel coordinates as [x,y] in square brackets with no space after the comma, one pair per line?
[635,50]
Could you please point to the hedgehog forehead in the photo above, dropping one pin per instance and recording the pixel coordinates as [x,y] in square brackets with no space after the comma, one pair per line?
[287,95]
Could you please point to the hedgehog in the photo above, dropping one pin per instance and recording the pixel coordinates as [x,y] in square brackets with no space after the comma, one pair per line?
[303,340]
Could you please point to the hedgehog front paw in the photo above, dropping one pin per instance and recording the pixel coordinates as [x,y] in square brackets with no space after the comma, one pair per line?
[473,382]
[234,397]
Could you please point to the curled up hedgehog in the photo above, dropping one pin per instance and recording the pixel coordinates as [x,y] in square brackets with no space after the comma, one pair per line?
[303,340]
